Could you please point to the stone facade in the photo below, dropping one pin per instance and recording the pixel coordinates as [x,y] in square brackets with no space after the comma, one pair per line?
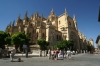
[53,29]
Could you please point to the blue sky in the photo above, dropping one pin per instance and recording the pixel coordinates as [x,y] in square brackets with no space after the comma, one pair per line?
[86,12]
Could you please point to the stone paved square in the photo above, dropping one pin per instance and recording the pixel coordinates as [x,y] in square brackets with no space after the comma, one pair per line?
[75,60]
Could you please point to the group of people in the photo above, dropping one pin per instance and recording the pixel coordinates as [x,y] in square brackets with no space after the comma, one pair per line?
[55,54]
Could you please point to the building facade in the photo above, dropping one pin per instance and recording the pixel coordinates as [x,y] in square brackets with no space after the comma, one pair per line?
[98,42]
[53,29]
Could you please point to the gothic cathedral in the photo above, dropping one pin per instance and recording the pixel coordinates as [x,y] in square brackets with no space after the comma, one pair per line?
[53,28]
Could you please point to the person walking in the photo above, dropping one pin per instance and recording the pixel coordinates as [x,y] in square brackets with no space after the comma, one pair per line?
[68,53]
[49,53]
[56,53]
[13,52]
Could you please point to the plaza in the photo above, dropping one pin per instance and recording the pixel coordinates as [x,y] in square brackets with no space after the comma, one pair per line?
[38,32]
[76,60]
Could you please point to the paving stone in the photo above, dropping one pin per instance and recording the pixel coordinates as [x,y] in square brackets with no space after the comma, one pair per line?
[75,60]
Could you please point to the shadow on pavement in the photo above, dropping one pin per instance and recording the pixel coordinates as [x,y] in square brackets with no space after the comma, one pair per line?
[17,61]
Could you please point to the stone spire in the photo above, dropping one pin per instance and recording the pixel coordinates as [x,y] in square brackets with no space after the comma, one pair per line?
[36,15]
[25,17]
[13,23]
[52,12]
[75,23]
[66,13]
[18,18]
[41,20]
[74,18]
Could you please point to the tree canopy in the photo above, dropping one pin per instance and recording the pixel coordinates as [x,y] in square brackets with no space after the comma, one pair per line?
[70,43]
[43,43]
[4,39]
[61,45]
[18,39]
[64,44]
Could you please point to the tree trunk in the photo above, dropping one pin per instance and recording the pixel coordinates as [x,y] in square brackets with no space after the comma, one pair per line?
[21,49]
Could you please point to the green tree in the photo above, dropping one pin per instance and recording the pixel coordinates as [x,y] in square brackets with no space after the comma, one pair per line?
[4,36]
[70,43]
[8,39]
[42,43]
[47,44]
[61,45]
[18,39]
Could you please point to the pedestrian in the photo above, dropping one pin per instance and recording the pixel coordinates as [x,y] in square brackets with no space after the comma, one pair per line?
[68,53]
[52,54]
[49,53]
[13,52]
[63,53]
